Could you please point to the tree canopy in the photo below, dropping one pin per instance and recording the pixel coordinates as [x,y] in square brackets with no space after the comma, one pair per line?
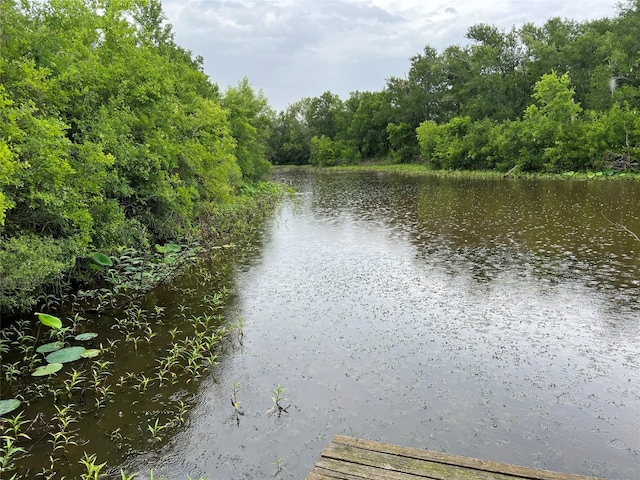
[559,96]
[110,134]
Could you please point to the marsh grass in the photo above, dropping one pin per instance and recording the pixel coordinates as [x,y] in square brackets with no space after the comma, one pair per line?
[416,169]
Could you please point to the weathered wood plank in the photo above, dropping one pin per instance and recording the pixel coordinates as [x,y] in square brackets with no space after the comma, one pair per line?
[348,458]
[406,465]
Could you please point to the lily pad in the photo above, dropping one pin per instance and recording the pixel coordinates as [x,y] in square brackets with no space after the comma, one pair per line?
[49,320]
[65,355]
[101,259]
[8,405]
[50,347]
[48,369]
[83,337]
[91,353]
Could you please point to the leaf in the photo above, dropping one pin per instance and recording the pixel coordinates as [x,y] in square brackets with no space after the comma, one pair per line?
[101,259]
[49,320]
[49,369]
[91,353]
[168,248]
[83,337]
[50,347]
[65,355]
[172,247]
[8,405]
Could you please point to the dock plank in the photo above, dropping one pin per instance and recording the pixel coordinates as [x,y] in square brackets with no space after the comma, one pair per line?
[348,458]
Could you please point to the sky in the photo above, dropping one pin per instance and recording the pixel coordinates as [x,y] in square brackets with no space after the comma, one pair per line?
[291,49]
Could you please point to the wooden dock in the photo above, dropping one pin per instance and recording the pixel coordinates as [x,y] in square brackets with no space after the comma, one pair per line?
[347,458]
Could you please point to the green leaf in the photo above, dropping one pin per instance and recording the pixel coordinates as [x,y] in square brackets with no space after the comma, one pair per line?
[91,353]
[8,405]
[101,259]
[49,320]
[83,337]
[172,247]
[50,347]
[49,369]
[65,355]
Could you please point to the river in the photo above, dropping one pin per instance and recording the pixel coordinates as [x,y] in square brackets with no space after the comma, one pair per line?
[497,319]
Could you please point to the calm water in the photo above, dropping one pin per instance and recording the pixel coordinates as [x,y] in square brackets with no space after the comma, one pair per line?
[494,319]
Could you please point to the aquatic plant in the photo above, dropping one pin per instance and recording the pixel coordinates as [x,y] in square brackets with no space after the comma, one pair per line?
[234,398]
[93,469]
[155,430]
[49,369]
[238,327]
[193,349]
[8,405]
[9,454]
[277,396]
[280,466]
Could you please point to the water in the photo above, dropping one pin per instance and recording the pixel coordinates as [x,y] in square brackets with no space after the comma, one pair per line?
[493,319]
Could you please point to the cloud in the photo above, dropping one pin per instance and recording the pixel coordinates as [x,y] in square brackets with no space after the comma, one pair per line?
[297,48]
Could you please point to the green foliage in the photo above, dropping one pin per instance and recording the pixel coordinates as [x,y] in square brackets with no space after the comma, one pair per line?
[290,140]
[8,406]
[101,259]
[45,370]
[471,107]
[250,122]
[28,263]
[371,113]
[110,135]
[49,320]
[402,142]
[328,153]
[551,127]
[427,133]
[554,135]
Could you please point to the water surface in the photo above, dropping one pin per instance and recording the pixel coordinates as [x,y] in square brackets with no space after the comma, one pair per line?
[496,319]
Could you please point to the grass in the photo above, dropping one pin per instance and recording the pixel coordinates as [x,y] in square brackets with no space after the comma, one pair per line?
[415,169]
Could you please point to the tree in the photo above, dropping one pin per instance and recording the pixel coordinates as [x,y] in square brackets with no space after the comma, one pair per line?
[368,127]
[418,97]
[323,114]
[110,135]
[250,122]
[289,143]
[551,126]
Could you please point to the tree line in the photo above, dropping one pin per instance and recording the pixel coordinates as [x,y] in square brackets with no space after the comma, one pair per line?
[110,135]
[562,96]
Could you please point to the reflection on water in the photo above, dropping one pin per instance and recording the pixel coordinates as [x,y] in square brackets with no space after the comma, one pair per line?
[494,319]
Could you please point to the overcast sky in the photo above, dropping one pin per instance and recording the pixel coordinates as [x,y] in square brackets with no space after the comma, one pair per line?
[291,49]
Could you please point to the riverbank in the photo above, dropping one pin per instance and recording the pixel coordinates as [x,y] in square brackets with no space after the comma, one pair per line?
[114,366]
[414,169]
[36,281]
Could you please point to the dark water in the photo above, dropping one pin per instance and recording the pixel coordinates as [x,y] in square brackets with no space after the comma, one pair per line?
[493,319]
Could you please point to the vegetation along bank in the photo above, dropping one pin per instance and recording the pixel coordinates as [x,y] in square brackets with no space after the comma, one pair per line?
[112,136]
[122,164]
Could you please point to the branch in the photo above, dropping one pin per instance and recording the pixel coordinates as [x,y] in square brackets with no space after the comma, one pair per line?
[622,227]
